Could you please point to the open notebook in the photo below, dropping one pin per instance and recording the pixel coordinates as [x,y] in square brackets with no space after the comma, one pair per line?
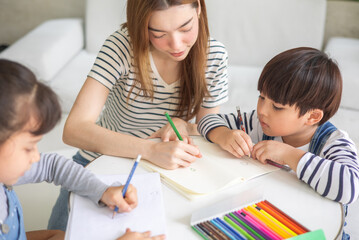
[89,221]
[216,170]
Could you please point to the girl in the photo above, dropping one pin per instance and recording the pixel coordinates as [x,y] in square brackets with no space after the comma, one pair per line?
[29,109]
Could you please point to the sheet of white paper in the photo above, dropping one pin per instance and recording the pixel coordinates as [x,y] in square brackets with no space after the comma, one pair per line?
[89,221]
[216,170]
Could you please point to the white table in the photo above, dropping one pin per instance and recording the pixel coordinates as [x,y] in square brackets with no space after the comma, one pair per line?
[281,188]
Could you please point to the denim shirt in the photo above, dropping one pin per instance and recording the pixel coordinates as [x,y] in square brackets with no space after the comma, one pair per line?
[14,220]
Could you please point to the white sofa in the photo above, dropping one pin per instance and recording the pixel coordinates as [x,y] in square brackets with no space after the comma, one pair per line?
[62,51]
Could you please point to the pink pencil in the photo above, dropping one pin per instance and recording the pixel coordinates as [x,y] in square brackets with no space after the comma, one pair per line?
[259,224]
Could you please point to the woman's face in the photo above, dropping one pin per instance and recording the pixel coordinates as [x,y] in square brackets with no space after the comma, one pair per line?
[17,154]
[172,32]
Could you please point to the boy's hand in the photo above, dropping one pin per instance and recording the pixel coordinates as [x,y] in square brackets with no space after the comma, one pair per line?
[236,142]
[113,197]
[140,236]
[277,152]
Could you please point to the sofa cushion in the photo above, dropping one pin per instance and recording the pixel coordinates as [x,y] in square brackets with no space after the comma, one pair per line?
[242,88]
[102,19]
[47,48]
[70,79]
[254,31]
[346,52]
[347,120]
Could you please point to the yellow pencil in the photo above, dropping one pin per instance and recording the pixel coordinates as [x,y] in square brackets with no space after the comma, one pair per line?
[268,222]
[275,220]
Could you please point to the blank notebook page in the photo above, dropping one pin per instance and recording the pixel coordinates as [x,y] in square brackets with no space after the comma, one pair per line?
[89,221]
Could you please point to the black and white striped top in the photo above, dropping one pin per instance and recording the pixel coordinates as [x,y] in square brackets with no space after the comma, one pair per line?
[333,174]
[141,116]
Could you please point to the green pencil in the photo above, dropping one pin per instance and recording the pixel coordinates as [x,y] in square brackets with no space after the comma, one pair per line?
[173,126]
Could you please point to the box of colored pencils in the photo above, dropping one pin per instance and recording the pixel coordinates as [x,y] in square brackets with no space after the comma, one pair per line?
[260,220]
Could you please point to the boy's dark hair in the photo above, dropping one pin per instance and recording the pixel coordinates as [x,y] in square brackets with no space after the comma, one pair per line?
[23,97]
[304,77]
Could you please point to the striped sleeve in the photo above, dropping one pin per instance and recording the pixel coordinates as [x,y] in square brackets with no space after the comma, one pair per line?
[216,75]
[212,121]
[113,60]
[231,121]
[335,172]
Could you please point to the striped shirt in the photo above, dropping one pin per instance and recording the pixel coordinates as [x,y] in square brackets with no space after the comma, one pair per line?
[141,116]
[333,174]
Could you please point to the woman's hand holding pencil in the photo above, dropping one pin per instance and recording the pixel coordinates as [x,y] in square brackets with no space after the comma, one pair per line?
[183,128]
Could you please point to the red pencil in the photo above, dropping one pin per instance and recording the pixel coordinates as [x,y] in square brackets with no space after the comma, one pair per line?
[240,119]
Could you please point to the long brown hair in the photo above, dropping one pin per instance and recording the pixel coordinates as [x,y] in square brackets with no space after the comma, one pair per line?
[193,86]
[22,97]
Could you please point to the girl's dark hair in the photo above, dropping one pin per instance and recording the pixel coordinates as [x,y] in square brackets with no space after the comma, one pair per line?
[23,97]
[304,77]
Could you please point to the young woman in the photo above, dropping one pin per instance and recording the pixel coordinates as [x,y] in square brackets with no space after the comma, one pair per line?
[161,60]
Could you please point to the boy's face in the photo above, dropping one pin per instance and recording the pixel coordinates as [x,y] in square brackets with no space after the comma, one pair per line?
[280,120]
[17,154]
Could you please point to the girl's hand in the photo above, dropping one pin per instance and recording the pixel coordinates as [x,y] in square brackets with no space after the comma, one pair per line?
[277,152]
[173,154]
[113,197]
[236,142]
[129,235]
[166,133]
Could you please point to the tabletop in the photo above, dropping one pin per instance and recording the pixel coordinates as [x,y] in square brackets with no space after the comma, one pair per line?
[281,188]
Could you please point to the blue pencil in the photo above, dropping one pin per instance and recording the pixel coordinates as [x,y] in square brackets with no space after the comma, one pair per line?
[124,190]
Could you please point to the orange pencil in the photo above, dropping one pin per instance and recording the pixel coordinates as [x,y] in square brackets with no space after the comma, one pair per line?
[282,217]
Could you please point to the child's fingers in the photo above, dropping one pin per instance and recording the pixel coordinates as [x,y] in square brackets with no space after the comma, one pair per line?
[248,140]
[241,146]
[237,152]
[259,154]
[131,196]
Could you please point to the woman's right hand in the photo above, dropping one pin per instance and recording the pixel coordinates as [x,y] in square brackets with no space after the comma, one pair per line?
[185,129]
[129,235]
[172,154]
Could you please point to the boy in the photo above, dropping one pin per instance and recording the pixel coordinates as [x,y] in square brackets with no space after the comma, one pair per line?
[300,90]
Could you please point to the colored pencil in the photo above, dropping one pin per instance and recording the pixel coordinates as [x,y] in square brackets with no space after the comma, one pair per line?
[240,120]
[173,126]
[218,232]
[208,233]
[275,221]
[238,227]
[124,190]
[253,229]
[261,225]
[282,217]
[200,232]
[236,234]
[280,231]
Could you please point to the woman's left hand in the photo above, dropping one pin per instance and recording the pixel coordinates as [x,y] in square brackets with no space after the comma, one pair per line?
[166,133]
